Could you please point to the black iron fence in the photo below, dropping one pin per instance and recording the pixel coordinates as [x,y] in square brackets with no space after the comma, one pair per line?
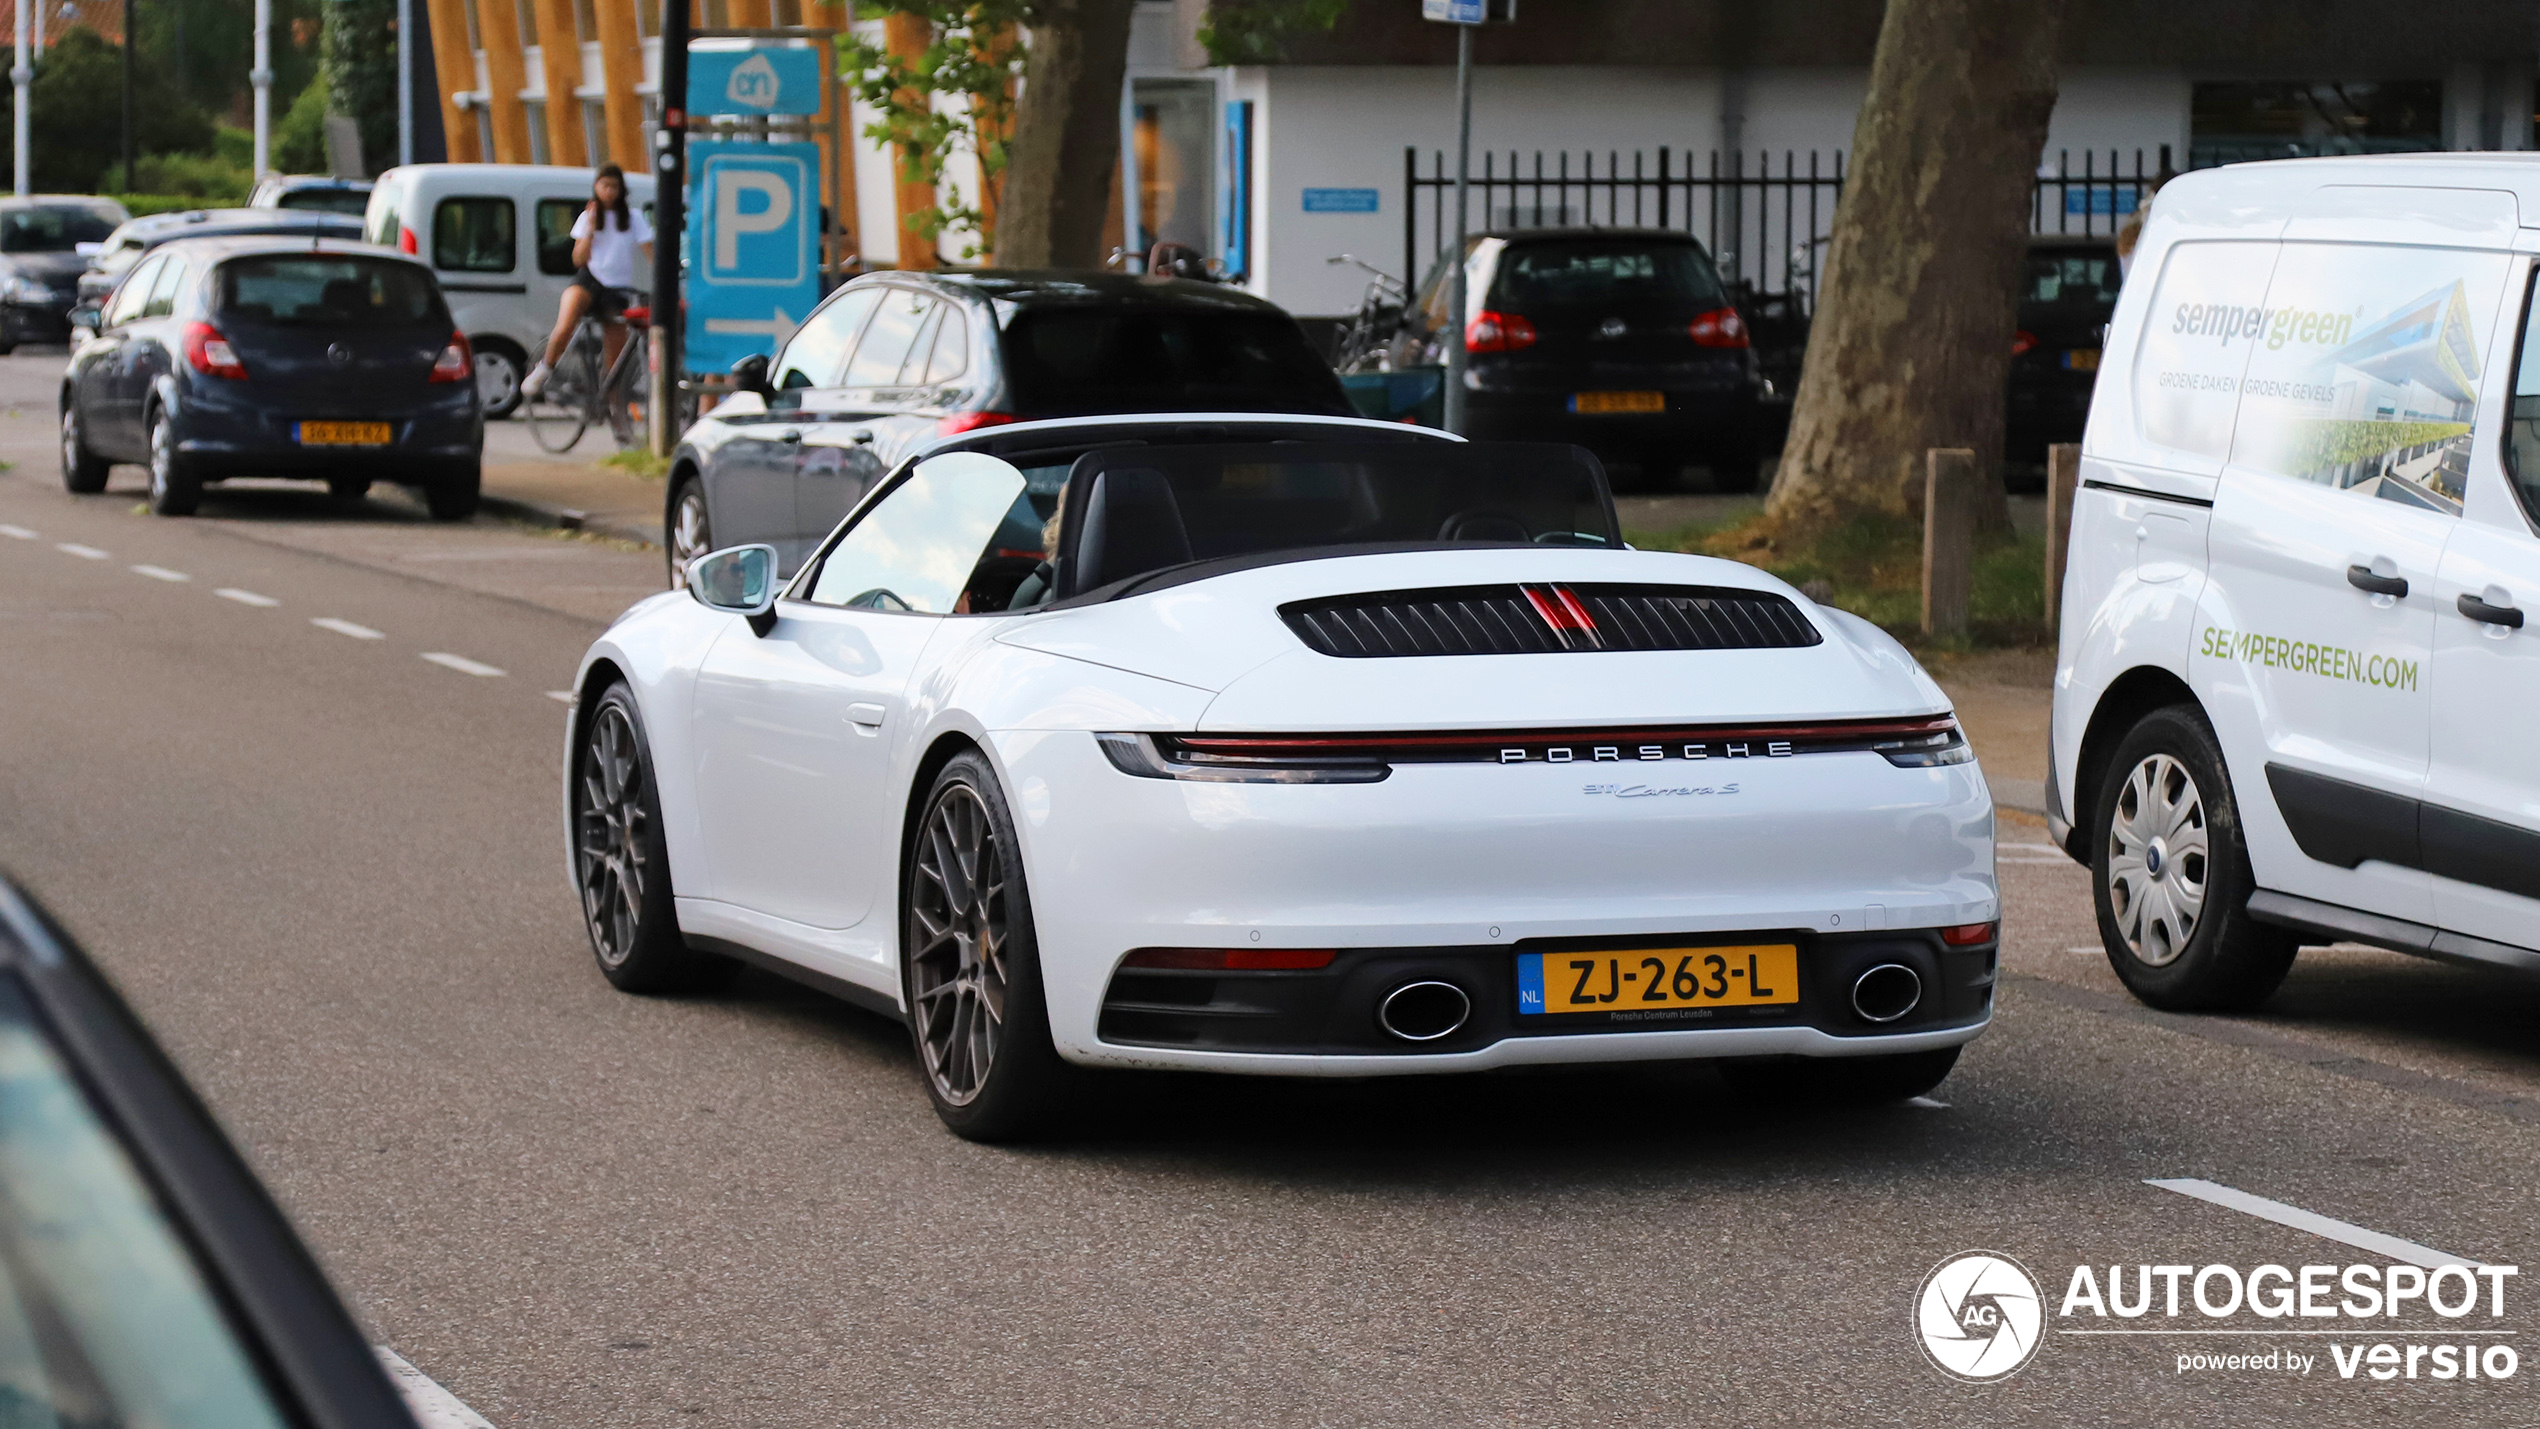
[1765,223]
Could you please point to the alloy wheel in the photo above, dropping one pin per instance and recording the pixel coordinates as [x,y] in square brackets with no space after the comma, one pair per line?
[688,535]
[2157,859]
[958,972]
[610,835]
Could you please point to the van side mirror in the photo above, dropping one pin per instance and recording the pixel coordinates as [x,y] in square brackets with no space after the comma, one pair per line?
[85,317]
[750,375]
[88,250]
[739,579]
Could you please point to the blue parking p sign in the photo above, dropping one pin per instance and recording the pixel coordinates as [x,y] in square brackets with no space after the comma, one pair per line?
[753,246]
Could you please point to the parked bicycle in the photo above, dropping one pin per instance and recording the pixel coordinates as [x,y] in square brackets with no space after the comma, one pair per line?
[1366,340]
[579,395]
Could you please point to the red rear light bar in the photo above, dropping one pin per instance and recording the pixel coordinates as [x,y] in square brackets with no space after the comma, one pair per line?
[1232,960]
[1844,730]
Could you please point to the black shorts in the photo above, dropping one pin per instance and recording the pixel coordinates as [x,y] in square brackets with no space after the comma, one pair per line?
[607,304]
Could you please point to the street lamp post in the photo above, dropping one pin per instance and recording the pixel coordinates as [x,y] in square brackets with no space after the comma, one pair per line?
[130,40]
[262,78]
[405,82]
[21,75]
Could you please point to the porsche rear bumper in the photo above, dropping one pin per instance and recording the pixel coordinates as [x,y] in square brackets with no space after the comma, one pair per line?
[1453,870]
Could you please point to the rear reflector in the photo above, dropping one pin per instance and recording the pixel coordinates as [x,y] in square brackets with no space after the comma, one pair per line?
[1231,960]
[1967,935]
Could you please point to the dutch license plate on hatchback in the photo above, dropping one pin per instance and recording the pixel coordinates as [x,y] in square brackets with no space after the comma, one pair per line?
[2081,359]
[344,434]
[1604,404]
[1649,979]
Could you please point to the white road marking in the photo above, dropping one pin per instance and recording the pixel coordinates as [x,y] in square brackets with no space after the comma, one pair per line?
[245,597]
[74,548]
[346,627]
[562,697]
[461,663]
[433,1406]
[20,532]
[2389,1246]
[160,573]
[2094,950]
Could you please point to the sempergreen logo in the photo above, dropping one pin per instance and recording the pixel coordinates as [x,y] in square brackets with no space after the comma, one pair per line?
[2329,662]
[2275,327]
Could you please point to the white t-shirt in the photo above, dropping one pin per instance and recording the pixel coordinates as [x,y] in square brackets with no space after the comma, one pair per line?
[613,252]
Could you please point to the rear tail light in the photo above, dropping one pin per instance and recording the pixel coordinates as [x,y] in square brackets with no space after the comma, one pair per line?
[1720,327]
[1925,751]
[2023,343]
[1498,332]
[406,240]
[960,422]
[1231,960]
[1301,761]
[211,354]
[1967,935]
[456,363]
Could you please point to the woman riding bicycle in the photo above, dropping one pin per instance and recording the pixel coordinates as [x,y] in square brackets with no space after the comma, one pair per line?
[607,239]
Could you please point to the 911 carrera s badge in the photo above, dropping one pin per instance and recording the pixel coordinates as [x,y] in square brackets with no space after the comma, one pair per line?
[1656,791]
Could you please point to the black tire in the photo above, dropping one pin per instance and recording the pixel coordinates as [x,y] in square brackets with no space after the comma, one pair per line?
[621,861]
[689,531]
[963,896]
[176,488]
[348,489]
[2166,825]
[1841,1081]
[453,496]
[83,471]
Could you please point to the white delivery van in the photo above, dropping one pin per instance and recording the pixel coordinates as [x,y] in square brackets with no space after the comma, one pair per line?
[499,237]
[2295,659]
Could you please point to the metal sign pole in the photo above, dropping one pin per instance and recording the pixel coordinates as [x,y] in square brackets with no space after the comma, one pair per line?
[670,224]
[1463,173]
[405,82]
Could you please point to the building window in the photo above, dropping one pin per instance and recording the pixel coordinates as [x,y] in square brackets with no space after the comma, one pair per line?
[475,32]
[527,11]
[537,111]
[647,18]
[2233,121]
[586,23]
[595,131]
[482,117]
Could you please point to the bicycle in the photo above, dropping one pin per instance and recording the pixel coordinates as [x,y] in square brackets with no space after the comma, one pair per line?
[1366,340]
[577,395]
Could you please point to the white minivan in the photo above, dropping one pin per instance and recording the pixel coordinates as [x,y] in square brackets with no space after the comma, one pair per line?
[500,238]
[2294,657]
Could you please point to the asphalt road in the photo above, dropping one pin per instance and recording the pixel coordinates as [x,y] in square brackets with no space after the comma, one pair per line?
[329,871]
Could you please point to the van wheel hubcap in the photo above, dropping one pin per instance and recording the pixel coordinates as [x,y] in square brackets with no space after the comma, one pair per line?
[2157,860]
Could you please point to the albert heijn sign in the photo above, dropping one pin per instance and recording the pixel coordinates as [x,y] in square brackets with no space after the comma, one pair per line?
[747,78]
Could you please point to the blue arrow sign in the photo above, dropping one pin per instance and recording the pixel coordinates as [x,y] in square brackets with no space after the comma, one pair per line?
[753,79]
[753,246]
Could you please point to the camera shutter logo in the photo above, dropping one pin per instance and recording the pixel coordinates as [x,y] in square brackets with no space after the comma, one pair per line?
[1979,1316]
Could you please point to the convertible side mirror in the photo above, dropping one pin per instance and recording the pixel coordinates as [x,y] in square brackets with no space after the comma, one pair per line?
[750,375]
[739,579]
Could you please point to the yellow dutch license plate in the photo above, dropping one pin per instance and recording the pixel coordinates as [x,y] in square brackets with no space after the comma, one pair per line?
[2082,359]
[1649,979]
[345,434]
[1602,404]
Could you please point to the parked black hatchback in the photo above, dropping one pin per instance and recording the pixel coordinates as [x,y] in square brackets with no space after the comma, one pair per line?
[41,240]
[892,363]
[2068,294]
[226,357]
[1620,340]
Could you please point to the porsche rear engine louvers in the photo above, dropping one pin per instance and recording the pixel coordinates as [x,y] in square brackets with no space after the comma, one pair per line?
[1540,619]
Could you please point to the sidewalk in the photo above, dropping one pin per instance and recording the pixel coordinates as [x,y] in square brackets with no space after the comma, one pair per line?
[526,483]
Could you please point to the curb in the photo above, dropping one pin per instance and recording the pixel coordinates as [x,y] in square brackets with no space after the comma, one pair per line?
[565,518]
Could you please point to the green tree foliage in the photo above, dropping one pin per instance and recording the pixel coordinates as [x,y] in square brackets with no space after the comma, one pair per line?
[975,59]
[1250,32]
[77,119]
[299,135]
[207,46]
[361,73]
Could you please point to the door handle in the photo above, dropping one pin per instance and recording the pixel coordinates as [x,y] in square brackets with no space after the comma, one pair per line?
[2362,578]
[863,437]
[790,437]
[2479,610]
[867,718]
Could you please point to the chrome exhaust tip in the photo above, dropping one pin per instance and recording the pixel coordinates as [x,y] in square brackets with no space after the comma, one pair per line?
[1887,992]
[1424,1011]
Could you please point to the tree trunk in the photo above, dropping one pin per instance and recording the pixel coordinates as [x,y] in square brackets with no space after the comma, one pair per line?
[1066,137]
[1911,347]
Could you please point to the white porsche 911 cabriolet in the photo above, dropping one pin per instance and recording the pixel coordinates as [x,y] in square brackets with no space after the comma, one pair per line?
[1292,747]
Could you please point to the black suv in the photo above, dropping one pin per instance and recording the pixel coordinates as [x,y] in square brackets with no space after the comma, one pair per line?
[1620,340]
[2068,293]
[894,362]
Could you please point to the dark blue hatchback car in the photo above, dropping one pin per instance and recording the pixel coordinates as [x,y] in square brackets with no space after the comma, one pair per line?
[221,357]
